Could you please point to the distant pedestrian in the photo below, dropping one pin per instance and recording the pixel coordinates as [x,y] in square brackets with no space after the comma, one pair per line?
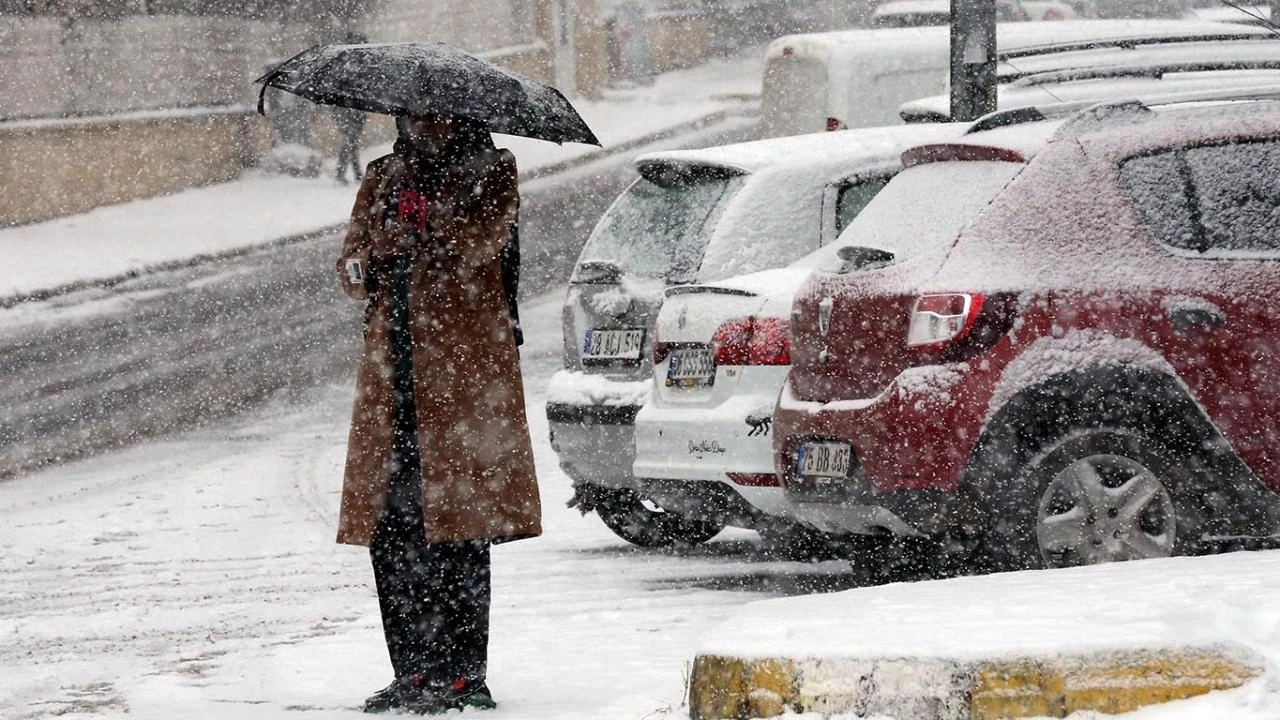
[350,125]
[439,460]
[350,128]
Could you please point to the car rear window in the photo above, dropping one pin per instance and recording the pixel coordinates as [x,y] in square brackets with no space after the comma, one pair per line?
[922,209]
[1210,199]
[659,226]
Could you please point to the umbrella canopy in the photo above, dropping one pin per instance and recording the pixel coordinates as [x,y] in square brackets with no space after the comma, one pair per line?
[429,78]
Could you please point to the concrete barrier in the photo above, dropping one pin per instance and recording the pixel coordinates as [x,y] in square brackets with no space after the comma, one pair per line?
[935,688]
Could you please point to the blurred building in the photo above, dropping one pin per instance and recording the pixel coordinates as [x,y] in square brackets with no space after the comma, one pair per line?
[112,100]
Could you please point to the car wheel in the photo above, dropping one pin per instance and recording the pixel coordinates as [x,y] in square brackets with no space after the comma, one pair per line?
[1084,499]
[643,523]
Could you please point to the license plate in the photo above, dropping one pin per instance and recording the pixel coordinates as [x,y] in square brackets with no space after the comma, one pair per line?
[691,367]
[604,345]
[823,460]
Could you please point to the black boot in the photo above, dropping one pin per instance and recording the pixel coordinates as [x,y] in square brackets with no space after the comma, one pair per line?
[461,694]
[398,695]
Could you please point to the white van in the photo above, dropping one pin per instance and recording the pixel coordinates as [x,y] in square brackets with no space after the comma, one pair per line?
[859,78]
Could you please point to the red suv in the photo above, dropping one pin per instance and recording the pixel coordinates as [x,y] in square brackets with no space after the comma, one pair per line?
[1093,371]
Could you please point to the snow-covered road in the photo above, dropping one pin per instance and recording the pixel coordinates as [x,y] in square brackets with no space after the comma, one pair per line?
[197,578]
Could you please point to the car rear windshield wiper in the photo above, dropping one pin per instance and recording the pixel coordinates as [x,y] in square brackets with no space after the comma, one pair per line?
[597,272]
[856,257]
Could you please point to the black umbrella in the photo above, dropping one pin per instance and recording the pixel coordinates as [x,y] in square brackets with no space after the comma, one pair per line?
[429,78]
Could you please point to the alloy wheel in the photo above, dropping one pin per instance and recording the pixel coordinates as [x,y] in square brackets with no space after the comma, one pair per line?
[1105,508]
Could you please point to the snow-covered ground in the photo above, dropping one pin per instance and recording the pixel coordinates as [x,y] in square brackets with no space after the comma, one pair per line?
[197,578]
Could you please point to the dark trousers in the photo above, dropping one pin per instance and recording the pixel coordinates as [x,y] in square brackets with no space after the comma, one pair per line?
[434,597]
[349,155]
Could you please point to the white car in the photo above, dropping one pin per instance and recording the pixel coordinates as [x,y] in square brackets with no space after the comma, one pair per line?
[923,13]
[694,216]
[721,355]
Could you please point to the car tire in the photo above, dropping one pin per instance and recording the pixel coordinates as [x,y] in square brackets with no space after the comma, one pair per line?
[1091,496]
[626,514]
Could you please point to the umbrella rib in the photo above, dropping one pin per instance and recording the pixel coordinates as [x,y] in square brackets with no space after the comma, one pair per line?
[272,74]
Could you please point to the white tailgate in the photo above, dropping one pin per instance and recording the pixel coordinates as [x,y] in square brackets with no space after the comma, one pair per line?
[688,320]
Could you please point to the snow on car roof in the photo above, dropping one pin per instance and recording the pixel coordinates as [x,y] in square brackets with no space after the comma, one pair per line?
[831,149]
[894,7]
[1009,36]
[1180,51]
[1185,124]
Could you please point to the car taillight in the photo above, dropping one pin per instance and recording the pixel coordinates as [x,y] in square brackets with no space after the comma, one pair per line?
[953,327]
[752,341]
[660,349]
[940,319]
[834,124]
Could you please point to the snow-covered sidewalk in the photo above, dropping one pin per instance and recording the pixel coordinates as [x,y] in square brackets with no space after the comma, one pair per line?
[116,241]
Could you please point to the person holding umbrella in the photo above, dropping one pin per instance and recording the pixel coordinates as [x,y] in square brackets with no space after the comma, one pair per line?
[439,459]
[439,462]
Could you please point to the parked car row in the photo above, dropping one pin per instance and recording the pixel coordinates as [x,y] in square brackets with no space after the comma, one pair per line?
[861,78]
[691,217]
[1008,334]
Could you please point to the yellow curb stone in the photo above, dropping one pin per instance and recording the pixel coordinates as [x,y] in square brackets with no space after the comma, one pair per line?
[730,688]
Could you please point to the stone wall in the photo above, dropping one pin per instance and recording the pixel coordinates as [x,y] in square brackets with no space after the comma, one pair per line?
[50,168]
[60,67]
[106,110]
[54,168]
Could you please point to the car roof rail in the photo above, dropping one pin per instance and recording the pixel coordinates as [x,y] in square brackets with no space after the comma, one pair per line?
[1103,114]
[1119,112]
[1051,77]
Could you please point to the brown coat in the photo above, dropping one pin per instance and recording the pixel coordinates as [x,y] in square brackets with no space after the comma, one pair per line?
[477,460]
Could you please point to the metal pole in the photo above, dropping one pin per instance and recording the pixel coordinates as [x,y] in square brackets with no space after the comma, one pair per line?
[973,58]
[566,50]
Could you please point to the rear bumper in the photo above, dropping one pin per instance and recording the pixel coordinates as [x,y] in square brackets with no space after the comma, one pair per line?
[595,443]
[706,444]
[909,449]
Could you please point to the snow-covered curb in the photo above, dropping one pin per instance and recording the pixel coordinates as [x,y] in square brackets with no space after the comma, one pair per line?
[1110,638]
[930,688]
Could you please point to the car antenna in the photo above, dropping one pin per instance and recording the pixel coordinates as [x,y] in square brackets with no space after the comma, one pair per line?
[1266,22]
[1047,91]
